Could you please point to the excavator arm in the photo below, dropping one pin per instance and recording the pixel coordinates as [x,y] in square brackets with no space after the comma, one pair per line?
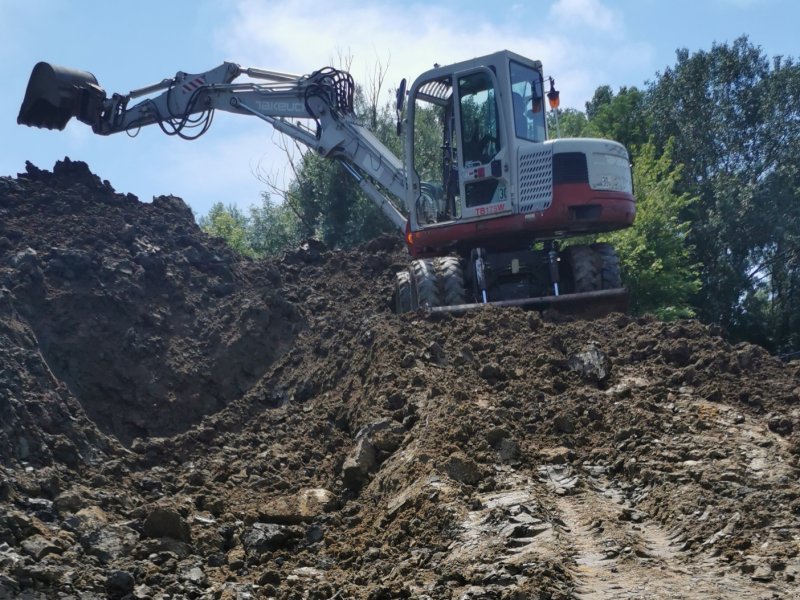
[184,105]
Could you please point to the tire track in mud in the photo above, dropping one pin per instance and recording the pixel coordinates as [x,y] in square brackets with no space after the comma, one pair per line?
[619,553]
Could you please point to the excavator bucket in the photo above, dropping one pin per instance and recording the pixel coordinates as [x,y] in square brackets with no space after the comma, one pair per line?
[56,94]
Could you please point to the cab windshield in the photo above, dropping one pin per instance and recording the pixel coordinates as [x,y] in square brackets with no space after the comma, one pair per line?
[527,93]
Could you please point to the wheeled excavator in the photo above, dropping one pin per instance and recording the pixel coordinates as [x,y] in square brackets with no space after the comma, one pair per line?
[484,217]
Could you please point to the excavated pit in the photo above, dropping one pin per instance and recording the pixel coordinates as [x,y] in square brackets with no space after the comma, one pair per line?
[180,422]
[148,323]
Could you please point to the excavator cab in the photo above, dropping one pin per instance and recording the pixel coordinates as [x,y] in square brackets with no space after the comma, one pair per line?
[486,109]
[56,94]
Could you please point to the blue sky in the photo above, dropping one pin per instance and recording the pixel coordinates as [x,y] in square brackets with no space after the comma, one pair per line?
[582,43]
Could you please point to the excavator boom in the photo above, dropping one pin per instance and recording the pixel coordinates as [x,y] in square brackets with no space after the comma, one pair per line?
[184,104]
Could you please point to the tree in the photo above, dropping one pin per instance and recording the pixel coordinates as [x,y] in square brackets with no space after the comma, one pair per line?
[571,123]
[656,259]
[267,231]
[735,121]
[230,224]
[325,198]
[272,228]
[620,117]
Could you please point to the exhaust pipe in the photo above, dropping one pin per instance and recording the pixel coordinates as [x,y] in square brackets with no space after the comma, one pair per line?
[56,94]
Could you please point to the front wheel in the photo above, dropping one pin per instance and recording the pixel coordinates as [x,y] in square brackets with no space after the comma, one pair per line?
[451,280]
[429,282]
[402,293]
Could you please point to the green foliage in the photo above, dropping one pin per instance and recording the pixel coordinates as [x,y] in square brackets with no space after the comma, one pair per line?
[332,205]
[656,260]
[620,117]
[727,121]
[735,119]
[428,135]
[571,123]
[267,231]
[230,224]
[273,228]
[328,201]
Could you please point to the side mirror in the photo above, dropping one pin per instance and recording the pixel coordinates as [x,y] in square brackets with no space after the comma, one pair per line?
[401,99]
[401,95]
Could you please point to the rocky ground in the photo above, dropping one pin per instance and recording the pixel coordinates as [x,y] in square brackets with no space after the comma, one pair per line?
[179,422]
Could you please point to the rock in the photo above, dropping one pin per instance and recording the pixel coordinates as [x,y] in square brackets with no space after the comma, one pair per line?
[146,547]
[307,504]
[43,573]
[388,436]
[217,559]
[463,469]
[507,450]
[314,534]
[591,363]
[563,424]
[434,353]
[263,537]
[494,435]
[269,577]
[762,573]
[194,575]
[39,546]
[491,372]
[167,522]
[556,456]
[9,558]
[69,502]
[119,584]
[780,425]
[110,542]
[359,464]
[9,588]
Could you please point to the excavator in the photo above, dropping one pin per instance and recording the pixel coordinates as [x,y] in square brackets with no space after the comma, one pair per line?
[484,215]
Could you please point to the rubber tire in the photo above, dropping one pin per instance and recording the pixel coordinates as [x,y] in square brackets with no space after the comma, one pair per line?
[610,271]
[402,293]
[424,285]
[586,269]
[451,280]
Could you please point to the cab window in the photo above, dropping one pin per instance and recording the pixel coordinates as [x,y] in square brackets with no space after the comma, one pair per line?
[479,122]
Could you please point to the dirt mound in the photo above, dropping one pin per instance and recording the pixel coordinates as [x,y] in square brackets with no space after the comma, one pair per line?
[147,321]
[298,440]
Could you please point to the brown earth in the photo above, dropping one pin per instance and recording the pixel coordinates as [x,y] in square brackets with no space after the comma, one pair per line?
[179,422]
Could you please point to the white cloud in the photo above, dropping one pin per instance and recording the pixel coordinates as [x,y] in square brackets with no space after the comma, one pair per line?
[586,13]
[300,36]
[296,36]
[303,35]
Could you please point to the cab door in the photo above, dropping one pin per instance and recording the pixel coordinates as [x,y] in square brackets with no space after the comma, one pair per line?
[482,172]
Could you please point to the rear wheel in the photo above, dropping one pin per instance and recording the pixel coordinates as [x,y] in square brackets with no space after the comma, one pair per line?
[586,269]
[610,272]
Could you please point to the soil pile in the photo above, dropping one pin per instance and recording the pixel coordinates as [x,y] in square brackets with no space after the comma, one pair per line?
[179,422]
